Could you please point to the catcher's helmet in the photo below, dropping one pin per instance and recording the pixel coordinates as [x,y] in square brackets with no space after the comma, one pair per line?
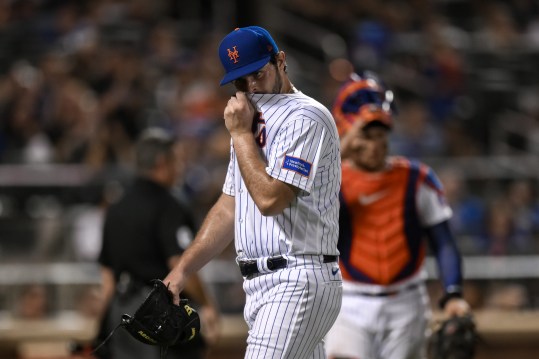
[363,98]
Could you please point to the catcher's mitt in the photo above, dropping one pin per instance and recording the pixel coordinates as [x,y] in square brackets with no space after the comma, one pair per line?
[456,338]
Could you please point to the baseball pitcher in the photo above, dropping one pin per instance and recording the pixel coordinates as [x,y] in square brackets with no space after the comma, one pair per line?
[280,203]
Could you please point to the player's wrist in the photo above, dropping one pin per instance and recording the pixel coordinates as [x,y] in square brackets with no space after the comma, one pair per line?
[455,292]
[241,134]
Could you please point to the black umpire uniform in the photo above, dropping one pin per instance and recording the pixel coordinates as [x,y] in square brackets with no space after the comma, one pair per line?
[146,227]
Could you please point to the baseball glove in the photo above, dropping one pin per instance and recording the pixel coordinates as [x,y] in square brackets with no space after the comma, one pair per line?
[456,338]
[158,321]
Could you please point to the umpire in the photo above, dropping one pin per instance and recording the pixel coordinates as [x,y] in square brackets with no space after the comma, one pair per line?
[144,235]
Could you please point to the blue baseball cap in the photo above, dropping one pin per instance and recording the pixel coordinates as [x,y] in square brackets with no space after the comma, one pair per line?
[244,51]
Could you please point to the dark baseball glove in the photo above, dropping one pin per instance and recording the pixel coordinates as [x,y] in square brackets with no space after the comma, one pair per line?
[456,338]
[158,321]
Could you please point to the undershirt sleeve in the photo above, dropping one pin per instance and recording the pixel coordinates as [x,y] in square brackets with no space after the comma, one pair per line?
[447,256]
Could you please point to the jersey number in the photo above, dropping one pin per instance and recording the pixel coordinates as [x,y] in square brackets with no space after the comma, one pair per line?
[259,129]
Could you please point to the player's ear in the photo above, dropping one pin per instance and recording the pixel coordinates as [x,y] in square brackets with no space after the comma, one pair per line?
[281,60]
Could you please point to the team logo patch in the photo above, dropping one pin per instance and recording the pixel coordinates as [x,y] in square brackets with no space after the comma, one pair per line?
[297,165]
[233,55]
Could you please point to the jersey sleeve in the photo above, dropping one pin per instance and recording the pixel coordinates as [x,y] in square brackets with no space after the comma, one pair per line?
[229,185]
[295,156]
[431,202]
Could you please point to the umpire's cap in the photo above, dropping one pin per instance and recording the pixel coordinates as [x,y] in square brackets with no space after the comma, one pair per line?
[244,51]
[363,98]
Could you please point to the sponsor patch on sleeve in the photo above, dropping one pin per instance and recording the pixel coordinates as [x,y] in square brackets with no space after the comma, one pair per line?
[297,165]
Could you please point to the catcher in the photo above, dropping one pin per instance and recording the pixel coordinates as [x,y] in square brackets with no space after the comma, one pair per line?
[389,206]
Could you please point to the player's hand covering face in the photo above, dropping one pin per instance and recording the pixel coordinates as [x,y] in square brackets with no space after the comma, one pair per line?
[239,113]
[366,146]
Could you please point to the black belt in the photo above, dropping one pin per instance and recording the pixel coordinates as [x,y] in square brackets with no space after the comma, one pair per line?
[249,267]
[384,294]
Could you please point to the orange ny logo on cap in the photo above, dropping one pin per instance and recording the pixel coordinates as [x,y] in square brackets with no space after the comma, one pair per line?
[233,55]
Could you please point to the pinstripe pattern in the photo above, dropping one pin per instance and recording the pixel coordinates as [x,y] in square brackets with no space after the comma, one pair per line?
[290,311]
[300,127]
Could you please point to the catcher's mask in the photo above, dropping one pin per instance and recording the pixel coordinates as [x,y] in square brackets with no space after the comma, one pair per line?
[363,98]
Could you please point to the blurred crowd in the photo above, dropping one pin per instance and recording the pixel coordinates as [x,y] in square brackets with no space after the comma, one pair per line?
[80,80]
[465,85]
[86,77]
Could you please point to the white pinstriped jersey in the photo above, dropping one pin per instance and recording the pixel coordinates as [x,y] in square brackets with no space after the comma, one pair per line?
[298,139]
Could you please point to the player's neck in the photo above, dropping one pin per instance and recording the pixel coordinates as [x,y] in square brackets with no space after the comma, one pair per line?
[368,168]
[288,88]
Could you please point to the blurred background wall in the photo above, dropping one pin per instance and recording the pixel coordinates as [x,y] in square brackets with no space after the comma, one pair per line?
[79,80]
